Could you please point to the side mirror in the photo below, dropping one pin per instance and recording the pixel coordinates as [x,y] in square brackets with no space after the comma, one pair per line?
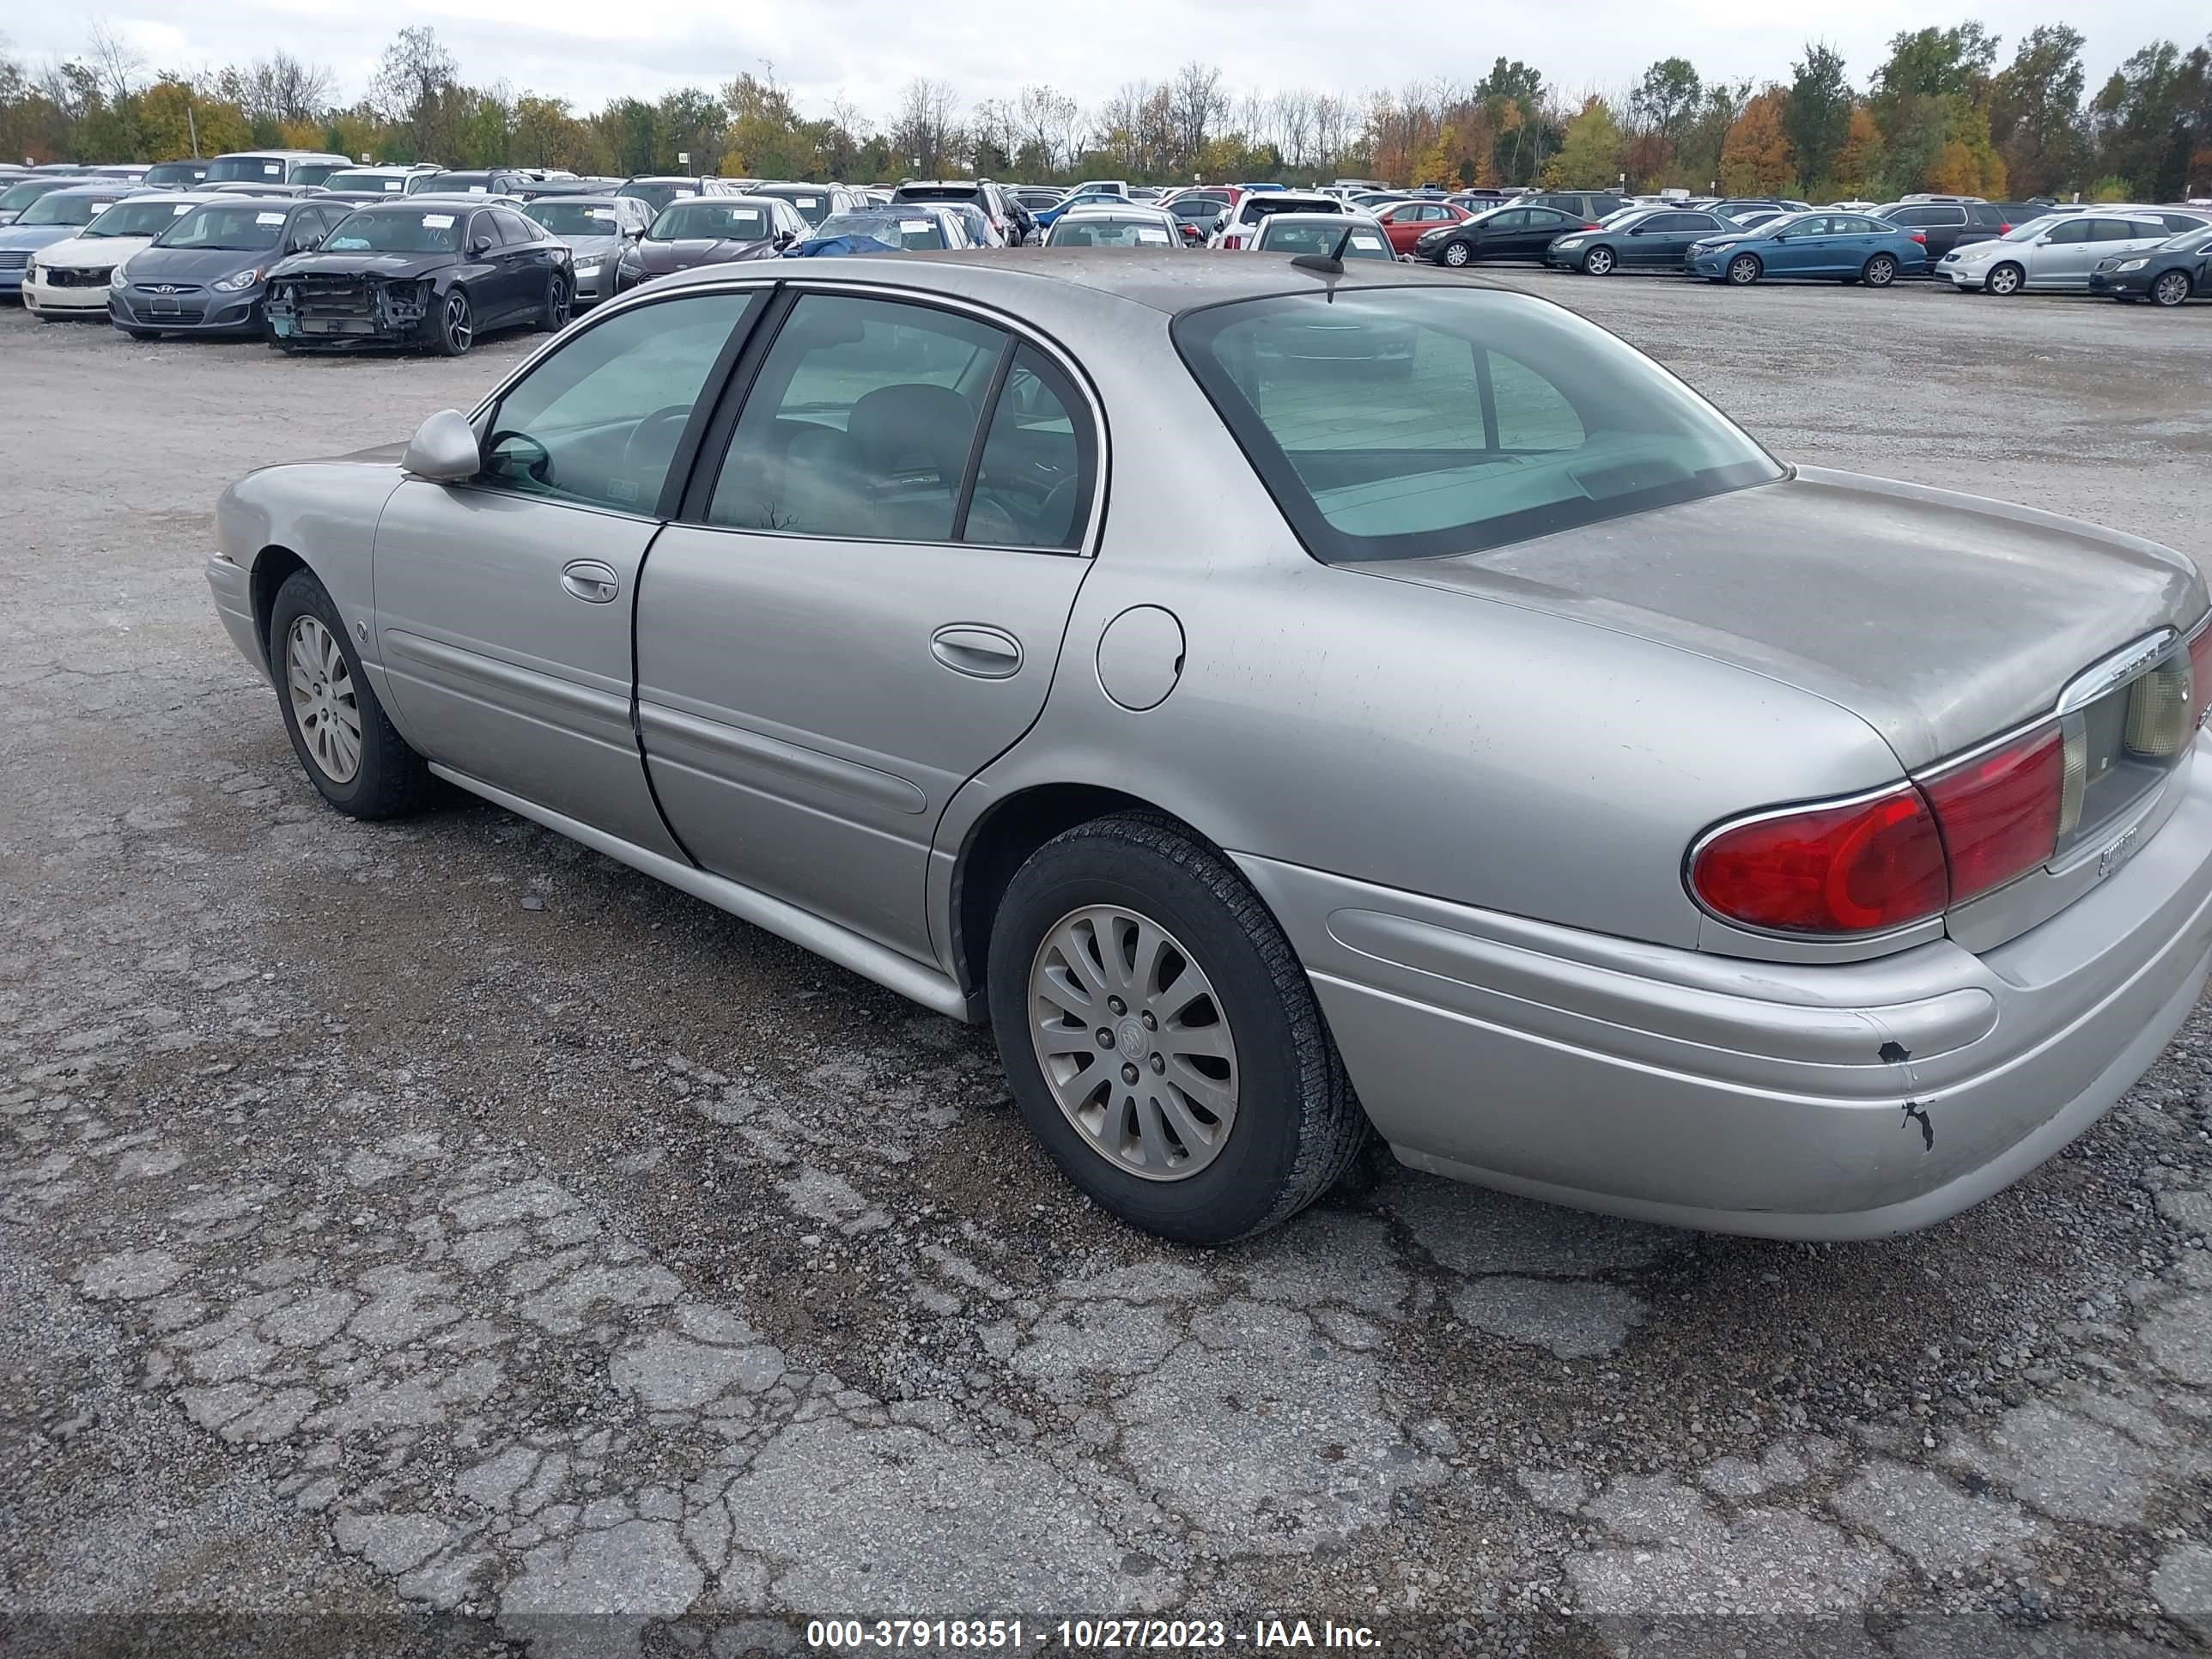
[479,247]
[784,238]
[443,449]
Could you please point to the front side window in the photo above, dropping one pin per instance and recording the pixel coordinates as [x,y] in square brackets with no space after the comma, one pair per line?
[599,422]
[860,423]
[1415,422]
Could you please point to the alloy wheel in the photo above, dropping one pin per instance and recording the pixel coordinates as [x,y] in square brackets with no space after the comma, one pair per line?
[561,303]
[320,686]
[1880,270]
[2005,279]
[2172,289]
[1133,1043]
[1598,262]
[1743,269]
[459,329]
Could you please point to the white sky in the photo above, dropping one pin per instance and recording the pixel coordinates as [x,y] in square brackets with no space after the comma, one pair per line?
[866,50]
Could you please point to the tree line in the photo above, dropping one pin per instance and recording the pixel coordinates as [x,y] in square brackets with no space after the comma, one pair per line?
[1945,111]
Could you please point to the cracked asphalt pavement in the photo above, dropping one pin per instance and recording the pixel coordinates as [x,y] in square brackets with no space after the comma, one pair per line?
[436,1238]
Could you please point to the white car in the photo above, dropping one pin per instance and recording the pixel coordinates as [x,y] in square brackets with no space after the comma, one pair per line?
[69,278]
[1235,228]
[2058,250]
[1135,224]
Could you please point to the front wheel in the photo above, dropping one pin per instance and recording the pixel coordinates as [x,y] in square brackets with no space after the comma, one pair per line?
[455,329]
[1743,269]
[1598,262]
[554,315]
[1880,271]
[2003,280]
[1161,1037]
[1456,254]
[2172,289]
[351,751]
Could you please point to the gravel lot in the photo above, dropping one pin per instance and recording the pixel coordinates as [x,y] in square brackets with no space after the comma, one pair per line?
[416,1238]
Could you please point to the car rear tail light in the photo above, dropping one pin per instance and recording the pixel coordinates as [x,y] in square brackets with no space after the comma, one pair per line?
[1921,237]
[1860,867]
[2004,230]
[2001,812]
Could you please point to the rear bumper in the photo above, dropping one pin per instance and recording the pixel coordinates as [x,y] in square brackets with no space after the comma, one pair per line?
[1751,1098]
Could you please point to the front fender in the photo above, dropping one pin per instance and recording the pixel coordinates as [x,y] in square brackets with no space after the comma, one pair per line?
[323,514]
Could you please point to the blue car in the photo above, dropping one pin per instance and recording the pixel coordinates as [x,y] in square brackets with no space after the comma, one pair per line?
[1842,247]
[909,227]
[1046,219]
[54,217]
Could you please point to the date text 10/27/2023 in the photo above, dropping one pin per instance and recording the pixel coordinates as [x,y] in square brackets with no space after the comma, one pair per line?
[1087,1635]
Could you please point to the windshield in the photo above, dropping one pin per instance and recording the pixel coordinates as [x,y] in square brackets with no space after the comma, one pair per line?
[2033,228]
[655,197]
[813,205]
[1287,236]
[16,197]
[387,184]
[174,173]
[575,218]
[61,209]
[915,232]
[1413,423]
[461,183]
[255,169]
[138,218]
[396,230]
[313,173]
[1109,233]
[709,219]
[242,227]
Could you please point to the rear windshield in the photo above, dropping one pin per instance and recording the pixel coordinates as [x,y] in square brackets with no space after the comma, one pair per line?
[253,169]
[389,183]
[1362,242]
[707,220]
[914,232]
[812,203]
[1399,423]
[576,218]
[1109,233]
[174,173]
[1259,204]
[655,197]
[464,184]
[242,228]
[398,230]
[61,209]
[138,218]
[935,193]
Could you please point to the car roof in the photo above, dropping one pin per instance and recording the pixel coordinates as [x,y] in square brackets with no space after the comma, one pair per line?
[118,188]
[1167,280]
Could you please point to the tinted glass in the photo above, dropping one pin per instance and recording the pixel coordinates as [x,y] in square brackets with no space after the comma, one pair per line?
[572,218]
[1512,219]
[711,219]
[398,230]
[1109,233]
[313,173]
[61,209]
[1199,210]
[257,169]
[1033,484]
[242,226]
[654,196]
[1260,206]
[599,422]
[513,228]
[138,218]
[860,423]
[811,204]
[1409,422]
[362,178]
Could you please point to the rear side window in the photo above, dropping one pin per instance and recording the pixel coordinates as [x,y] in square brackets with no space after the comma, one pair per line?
[1413,423]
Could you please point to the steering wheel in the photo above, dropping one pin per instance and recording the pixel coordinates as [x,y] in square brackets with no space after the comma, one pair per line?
[536,461]
[666,428]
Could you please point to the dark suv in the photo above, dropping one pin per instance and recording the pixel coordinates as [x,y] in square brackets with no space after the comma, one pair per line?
[1592,204]
[1946,225]
[1010,221]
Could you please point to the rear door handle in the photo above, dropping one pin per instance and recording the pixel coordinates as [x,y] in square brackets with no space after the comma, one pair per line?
[590,581]
[983,653]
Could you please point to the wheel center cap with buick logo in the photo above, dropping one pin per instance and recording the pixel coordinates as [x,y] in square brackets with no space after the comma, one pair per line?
[1129,1037]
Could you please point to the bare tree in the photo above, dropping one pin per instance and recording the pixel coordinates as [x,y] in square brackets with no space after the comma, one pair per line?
[925,134]
[415,70]
[1196,107]
[1052,121]
[119,65]
[1292,119]
[280,87]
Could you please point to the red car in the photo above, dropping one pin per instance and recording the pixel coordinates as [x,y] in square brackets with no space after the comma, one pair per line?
[1406,223]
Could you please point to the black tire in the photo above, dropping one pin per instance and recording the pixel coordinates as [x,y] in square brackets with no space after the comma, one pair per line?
[554,316]
[1298,1126]
[2004,280]
[1599,261]
[1880,271]
[1744,269]
[1457,255]
[2172,288]
[391,779]
[143,333]
[453,324]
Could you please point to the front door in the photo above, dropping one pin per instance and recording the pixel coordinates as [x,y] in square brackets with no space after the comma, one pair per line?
[503,604]
[864,604]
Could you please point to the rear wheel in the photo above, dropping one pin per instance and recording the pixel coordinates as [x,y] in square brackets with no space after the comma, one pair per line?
[1598,262]
[2004,279]
[350,749]
[455,329]
[2171,289]
[1456,254]
[1743,270]
[1162,1039]
[1880,271]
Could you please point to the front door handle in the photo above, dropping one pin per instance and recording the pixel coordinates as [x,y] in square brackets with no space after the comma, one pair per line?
[590,581]
[979,651]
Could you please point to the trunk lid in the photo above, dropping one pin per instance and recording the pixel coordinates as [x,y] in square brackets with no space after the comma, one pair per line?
[1940,619]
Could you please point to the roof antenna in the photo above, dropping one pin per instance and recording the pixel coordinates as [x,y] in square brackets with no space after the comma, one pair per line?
[1330,264]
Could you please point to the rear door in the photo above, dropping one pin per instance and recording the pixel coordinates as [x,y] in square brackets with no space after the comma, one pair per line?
[863,604]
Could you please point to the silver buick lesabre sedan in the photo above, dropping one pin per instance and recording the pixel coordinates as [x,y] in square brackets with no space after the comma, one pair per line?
[1518,762]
